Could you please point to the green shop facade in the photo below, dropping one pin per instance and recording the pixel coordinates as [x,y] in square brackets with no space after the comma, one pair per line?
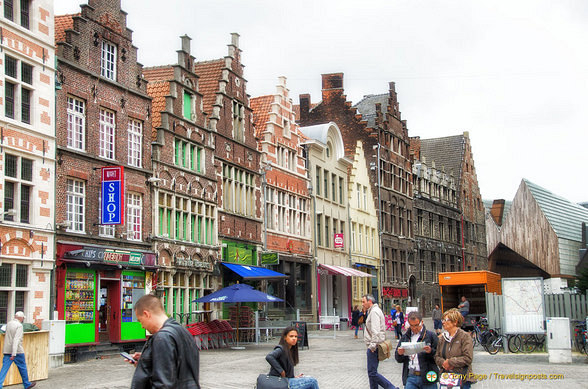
[96,287]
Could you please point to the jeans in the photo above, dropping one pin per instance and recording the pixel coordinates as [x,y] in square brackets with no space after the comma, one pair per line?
[415,382]
[303,383]
[19,359]
[376,379]
[356,329]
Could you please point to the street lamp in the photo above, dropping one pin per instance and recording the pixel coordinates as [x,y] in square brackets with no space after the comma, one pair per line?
[10,212]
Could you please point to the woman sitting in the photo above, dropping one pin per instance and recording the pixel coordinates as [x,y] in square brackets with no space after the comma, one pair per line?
[455,351]
[285,357]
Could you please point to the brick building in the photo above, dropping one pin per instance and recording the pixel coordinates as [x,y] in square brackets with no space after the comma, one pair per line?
[184,185]
[453,154]
[104,257]
[287,229]
[437,228]
[27,159]
[239,195]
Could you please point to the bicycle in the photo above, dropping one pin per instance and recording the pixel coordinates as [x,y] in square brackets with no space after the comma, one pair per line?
[495,341]
[580,336]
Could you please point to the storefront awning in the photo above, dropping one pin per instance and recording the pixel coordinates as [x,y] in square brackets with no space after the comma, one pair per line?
[249,272]
[344,271]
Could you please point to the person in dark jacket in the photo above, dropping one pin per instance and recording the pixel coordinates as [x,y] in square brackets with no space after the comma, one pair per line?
[398,321]
[283,359]
[357,319]
[170,357]
[419,371]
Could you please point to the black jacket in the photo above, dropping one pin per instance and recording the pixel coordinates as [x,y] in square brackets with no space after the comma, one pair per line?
[426,360]
[355,315]
[279,361]
[169,360]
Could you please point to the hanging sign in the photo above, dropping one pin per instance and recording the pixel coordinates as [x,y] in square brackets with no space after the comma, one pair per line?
[113,184]
[338,241]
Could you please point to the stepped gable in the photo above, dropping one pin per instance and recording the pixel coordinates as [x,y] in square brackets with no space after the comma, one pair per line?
[446,152]
[62,24]
[209,73]
[261,107]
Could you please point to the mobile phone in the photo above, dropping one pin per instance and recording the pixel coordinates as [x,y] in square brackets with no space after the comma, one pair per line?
[128,356]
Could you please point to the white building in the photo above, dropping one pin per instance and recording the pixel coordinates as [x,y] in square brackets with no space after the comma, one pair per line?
[27,163]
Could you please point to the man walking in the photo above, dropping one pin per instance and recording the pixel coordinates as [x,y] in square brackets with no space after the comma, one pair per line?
[419,371]
[14,352]
[374,334]
[170,357]
[437,315]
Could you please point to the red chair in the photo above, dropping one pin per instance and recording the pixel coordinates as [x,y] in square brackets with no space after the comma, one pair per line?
[228,330]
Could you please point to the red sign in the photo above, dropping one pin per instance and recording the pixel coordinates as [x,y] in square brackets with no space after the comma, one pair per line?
[338,241]
[394,292]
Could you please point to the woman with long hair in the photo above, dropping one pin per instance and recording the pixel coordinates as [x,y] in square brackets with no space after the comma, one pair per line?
[283,359]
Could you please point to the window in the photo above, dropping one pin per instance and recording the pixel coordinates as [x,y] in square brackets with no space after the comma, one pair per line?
[333,183]
[326,183]
[12,13]
[319,240]
[108,61]
[106,231]
[327,230]
[318,181]
[76,196]
[286,157]
[341,193]
[238,191]
[18,176]
[353,244]
[14,282]
[188,155]
[107,133]
[360,239]
[134,216]
[270,208]
[358,196]
[76,123]
[365,197]
[188,104]
[135,131]
[238,121]
[286,126]
[17,94]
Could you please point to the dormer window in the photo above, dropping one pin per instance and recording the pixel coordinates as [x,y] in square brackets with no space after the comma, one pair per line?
[108,61]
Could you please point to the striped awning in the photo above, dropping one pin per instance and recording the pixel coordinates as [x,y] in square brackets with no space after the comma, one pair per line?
[344,271]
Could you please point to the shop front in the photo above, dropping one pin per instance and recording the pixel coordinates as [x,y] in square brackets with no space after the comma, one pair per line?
[335,286]
[295,288]
[97,287]
[394,296]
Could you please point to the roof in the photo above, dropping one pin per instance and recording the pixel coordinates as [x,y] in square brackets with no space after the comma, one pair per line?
[367,107]
[62,23]
[488,206]
[159,73]
[261,107]
[446,152]
[157,90]
[564,216]
[209,73]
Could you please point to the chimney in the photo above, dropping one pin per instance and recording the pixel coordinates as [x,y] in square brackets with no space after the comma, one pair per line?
[497,211]
[332,85]
[304,106]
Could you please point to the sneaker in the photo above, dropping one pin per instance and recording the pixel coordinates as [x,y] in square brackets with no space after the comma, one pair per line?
[32,385]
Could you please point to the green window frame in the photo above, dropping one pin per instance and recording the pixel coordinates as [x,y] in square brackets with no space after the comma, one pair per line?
[187,105]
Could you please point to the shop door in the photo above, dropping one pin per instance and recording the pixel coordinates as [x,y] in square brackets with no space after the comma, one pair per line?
[110,311]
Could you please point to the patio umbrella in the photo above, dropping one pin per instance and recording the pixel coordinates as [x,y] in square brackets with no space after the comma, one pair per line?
[237,293]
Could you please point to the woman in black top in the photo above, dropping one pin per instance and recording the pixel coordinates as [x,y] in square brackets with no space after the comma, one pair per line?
[283,359]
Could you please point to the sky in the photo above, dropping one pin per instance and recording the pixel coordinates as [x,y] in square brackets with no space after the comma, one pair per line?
[513,73]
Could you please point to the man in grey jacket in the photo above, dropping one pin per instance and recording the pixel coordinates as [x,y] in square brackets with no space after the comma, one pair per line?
[374,334]
[14,352]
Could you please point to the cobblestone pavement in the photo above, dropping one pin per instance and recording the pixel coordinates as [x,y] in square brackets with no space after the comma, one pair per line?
[337,364]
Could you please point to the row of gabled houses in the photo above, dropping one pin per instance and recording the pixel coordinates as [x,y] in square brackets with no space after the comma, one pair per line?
[120,180]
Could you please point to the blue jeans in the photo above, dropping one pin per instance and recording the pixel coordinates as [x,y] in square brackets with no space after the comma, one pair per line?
[303,383]
[376,379]
[19,359]
[415,382]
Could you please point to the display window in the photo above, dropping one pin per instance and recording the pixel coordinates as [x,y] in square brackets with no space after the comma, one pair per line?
[80,306]
[133,288]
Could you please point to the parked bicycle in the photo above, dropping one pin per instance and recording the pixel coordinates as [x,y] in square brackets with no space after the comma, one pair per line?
[526,343]
[494,341]
[580,341]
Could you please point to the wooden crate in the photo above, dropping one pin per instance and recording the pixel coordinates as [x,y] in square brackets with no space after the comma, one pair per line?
[36,346]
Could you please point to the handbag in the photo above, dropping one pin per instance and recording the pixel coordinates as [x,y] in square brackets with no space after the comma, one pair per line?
[384,350]
[451,379]
[266,381]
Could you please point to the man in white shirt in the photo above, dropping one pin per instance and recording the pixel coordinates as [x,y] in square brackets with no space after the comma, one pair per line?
[14,352]
[374,334]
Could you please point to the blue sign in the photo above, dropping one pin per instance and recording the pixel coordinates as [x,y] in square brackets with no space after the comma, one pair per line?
[112,195]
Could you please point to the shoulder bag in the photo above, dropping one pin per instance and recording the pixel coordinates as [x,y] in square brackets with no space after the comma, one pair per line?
[384,350]
[266,381]
[451,379]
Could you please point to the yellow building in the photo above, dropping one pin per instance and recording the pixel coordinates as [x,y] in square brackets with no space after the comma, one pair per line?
[364,238]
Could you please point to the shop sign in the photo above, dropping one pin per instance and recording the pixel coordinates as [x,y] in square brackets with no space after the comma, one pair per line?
[394,292]
[338,241]
[270,258]
[100,254]
[194,264]
[112,195]
[241,255]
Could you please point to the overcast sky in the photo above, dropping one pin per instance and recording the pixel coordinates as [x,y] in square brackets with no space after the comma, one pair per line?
[513,73]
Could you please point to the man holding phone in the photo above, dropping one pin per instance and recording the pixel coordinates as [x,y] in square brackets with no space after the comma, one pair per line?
[170,357]
[419,371]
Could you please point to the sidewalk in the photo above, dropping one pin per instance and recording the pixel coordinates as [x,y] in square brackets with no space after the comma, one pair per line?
[337,364]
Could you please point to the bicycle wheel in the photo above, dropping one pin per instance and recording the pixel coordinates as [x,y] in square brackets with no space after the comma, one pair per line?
[493,345]
[475,338]
[514,343]
[528,343]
